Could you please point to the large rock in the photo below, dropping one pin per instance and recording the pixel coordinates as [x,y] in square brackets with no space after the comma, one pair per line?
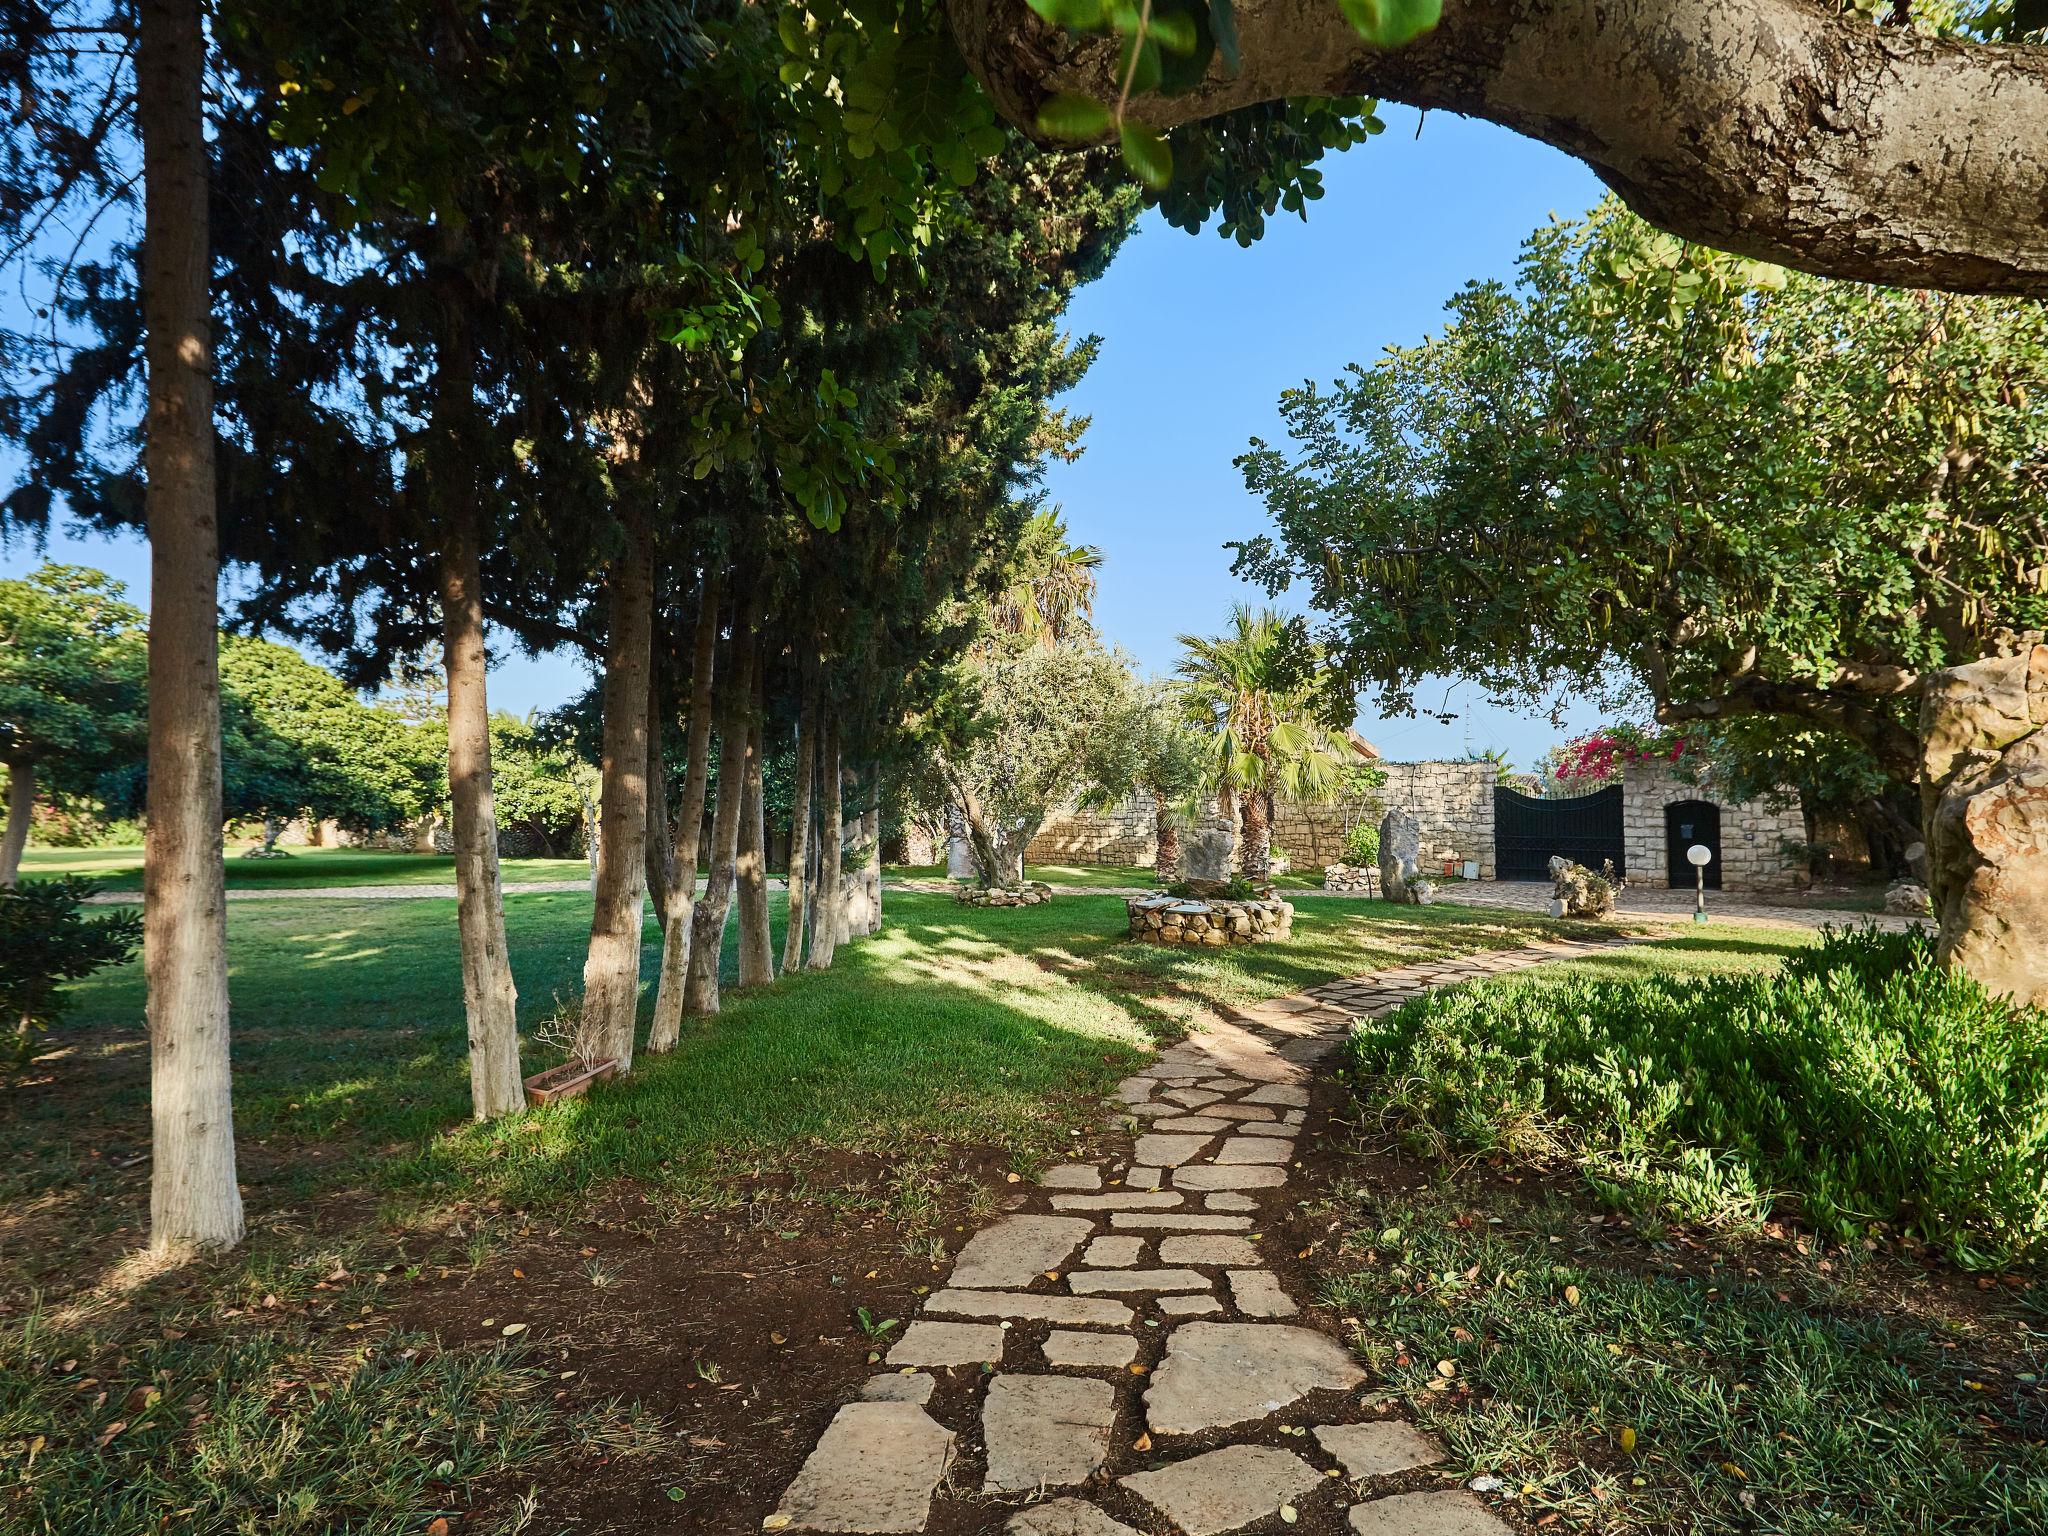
[1984,796]
[1907,898]
[1217,1374]
[1576,891]
[1400,854]
[1205,856]
[874,1470]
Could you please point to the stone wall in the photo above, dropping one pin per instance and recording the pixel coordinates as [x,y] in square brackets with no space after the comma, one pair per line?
[1452,801]
[1754,834]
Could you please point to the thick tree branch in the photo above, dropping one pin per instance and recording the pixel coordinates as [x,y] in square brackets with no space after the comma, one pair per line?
[1775,128]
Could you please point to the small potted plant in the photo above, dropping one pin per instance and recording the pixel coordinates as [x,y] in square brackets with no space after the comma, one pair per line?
[573,1077]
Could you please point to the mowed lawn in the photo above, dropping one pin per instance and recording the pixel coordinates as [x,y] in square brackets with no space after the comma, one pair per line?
[952,1024]
[120,869]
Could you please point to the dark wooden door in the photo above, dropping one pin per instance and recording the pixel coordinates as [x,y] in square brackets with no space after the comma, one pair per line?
[1686,823]
[1527,832]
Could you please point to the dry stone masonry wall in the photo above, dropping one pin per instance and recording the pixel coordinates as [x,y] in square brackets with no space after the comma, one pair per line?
[1453,802]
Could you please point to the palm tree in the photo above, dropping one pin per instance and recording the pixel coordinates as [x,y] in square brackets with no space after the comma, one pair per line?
[1249,690]
[1051,593]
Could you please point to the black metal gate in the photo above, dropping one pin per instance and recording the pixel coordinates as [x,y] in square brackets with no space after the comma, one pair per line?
[1687,823]
[1527,832]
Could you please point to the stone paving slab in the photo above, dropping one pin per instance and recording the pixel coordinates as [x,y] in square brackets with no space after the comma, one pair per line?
[1178,1221]
[1218,1374]
[1045,1431]
[1169,1151]
[1113,1252]
[1074,1311]
[1209,1248]
[1134,1200]
[1017,1250]
[1255,1149]
[1190,1306]
[1209,1176]
[929,1343]
[1090,1351]
[873,1472]
[1066,1517]
[1071,1176]
[1222,1490]
[1379,1449]
[1450,1513]
[902,1387]
[1258,1293]
[1098,1282]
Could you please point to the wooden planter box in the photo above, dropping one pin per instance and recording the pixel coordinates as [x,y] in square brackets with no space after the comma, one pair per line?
[570,1080]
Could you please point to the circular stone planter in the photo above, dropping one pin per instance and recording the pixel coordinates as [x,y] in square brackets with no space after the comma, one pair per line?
[1210,921]
[1031,893]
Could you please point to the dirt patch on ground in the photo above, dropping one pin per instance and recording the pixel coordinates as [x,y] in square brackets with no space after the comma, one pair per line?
[741,1330]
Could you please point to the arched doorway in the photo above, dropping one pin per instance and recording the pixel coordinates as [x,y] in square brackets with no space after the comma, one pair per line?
[1688,822]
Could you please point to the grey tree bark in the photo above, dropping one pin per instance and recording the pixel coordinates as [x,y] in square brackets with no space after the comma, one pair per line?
[750,868]
[827,918]
[707,937]
[800,818]
[611,969]
[490,1001]
[1985,793]
[679,899]
[1781,129]
[21,809]
[195,1203]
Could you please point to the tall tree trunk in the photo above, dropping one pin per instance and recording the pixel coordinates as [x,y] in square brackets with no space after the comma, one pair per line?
[21,807]
[489,998]
[707,938]
[1255,850]
[800,815]
[1166,862]
[1985,796]
[611,970]
[826,919]
[194,1200]
[662,875]
[750,869]
[681,900]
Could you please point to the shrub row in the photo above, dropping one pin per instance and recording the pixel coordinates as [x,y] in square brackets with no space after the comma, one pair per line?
[1861,1085]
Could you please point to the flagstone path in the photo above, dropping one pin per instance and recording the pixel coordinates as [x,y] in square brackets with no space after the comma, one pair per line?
[1128,1361]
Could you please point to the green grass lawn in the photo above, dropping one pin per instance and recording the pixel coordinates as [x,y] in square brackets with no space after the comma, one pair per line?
[952,1023]
[954,1028]
[120,869]
[1091,876]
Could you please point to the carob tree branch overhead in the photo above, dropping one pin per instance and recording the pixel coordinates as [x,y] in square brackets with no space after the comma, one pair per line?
[1779,129]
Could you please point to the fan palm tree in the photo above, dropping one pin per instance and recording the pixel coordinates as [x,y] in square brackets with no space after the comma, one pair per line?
[1051,593]
[1246,688]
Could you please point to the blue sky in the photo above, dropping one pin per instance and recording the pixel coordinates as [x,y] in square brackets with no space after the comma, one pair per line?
[1199,338]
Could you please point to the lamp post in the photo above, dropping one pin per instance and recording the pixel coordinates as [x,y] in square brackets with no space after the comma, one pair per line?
[1700,856]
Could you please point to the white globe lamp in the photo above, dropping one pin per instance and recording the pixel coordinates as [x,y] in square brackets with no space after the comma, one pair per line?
[1700,856]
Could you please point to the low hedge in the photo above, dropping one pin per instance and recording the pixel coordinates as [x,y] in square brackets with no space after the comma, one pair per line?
[1861,1085]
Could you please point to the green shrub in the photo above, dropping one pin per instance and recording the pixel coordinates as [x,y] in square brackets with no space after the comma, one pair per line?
[1861,1084]
[46,939]
[1362,845]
